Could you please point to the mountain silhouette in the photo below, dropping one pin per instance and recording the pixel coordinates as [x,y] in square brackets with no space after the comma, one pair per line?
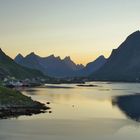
[51,65]
[123,63]
[8,67]
[67,60]
[57,67]
[91,67]
[94,65]
[129,105]
[19,58]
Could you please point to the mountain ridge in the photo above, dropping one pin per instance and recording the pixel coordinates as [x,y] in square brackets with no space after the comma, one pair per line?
[57,67]
[123,63]
[8,67]
[54,66]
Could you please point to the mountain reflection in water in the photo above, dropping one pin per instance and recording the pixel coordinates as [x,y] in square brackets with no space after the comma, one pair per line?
[129,105]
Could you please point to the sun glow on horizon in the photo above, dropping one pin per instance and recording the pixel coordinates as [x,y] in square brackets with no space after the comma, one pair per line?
[81,29]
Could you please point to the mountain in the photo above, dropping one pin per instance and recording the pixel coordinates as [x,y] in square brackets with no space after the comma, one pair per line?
[95,65]
[67,60]
[57,67]
[19,58]
[91,67]
[8,67]
[123,63]
[51,65]
[31,61]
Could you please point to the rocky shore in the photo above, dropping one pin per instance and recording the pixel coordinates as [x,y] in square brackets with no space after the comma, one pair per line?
[14,104]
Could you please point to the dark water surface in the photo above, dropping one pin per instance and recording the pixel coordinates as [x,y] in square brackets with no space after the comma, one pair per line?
[103,112]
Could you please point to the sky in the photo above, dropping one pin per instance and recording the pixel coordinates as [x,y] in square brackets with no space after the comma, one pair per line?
[82,29]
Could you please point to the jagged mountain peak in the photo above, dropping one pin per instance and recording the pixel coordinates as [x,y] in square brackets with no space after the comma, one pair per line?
[52,55]
[32,55]
[80,66]
[19,58]
[67,58]
[20,55]
[52,65]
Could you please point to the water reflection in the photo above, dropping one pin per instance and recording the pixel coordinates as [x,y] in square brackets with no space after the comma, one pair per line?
[80,113]
[129,105]
[81,103]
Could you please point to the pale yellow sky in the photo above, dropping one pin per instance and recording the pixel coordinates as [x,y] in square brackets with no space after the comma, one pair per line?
[82,29]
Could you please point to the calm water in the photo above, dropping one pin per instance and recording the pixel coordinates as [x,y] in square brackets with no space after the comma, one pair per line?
[109,111]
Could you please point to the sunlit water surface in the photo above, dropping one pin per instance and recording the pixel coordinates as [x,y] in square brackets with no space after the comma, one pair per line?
[110,111]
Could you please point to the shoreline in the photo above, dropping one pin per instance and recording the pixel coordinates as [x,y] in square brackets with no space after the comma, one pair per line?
[13,104]
[12,112]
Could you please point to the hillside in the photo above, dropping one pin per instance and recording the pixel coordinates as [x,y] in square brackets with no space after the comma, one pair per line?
[9,68]
[13,104]
[124,62]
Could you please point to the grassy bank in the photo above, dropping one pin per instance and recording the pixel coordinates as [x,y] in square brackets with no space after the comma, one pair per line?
[13,103]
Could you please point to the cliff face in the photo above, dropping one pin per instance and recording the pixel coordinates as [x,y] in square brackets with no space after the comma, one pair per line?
[124,62]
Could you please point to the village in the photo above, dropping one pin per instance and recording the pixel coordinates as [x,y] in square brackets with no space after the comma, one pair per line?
[12,82]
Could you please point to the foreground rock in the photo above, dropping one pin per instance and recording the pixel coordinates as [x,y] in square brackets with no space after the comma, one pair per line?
[14,104]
